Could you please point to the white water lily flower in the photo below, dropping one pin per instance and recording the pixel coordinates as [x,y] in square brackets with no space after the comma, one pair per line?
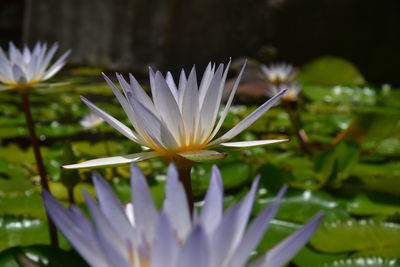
[144,237]
[278,73]
[293,90]
[27,68]
[179,122]
[90,121]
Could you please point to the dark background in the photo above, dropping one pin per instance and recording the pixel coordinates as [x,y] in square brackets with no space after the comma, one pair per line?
[129,35]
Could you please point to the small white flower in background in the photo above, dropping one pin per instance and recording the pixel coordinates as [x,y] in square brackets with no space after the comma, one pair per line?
[180,121]
[141,236]
[91,121]
[278,73]
[292,93]
[27,68]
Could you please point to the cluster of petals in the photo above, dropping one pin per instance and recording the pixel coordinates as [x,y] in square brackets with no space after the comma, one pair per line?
[26,68]
[178,121]
[139,235]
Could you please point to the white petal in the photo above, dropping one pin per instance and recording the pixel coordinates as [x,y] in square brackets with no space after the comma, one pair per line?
[252,143]
[172,86]
[168,107]
[151,128]
[210,106]
[125,104]
[119,126]
[246,122]
[228,103]
[190,108]
[56,66]
[205,82]
[112,161]
[141,95]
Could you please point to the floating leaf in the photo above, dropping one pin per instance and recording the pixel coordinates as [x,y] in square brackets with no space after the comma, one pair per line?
[364,205]
[300,206]
[365,237]
[23,231]
[364,262]
[43,255]
[330,70]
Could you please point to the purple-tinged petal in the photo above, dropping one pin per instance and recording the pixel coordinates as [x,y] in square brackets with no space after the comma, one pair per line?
[195,252]
[145,213]
[111,207]
[211,212]
[255,232]
[74,229]
[165,248]
[286,249]
[176,205]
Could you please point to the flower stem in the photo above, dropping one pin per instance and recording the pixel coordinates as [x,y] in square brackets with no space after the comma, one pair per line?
[297,126]
[39,160]
[186,180]
[71,198]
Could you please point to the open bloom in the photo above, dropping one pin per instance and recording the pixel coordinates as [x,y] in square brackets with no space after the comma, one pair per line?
[179,122]
[139,235]
[27,68]
[277,73]
[90,121]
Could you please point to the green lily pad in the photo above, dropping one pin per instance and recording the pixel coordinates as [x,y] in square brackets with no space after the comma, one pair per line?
[28,204]
[24,231]
[365,237]
[41,254]
[364,205]
[364,262]
[330,70]
[300,206]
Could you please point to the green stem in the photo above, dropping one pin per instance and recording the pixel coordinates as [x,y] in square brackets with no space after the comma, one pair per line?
[186,180]
[71,198]
[297,126]
[39,160]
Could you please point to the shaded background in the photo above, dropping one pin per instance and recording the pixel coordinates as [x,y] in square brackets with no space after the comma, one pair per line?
[132,34]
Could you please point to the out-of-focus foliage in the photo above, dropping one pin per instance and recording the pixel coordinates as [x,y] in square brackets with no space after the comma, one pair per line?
[352,171]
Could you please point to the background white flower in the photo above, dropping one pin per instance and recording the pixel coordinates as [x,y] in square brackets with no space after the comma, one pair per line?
[26,68]
[142,236]
[277,73]
[179,121]
[90,121]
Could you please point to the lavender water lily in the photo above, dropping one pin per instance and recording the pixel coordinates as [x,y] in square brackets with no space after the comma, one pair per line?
[138,235]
